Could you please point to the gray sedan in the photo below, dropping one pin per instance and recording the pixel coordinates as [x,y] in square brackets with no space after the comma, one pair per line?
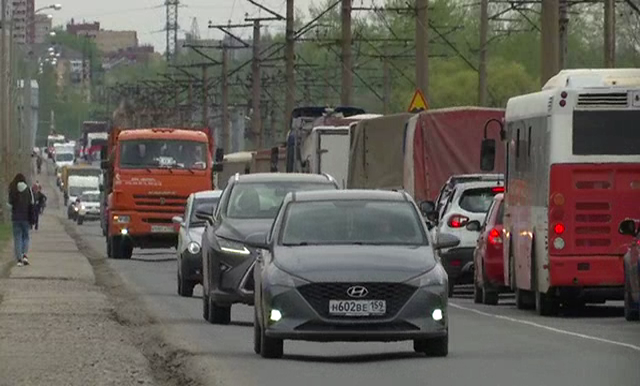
[351,265]
[189,249]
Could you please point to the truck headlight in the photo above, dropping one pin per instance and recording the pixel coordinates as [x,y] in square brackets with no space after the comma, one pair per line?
[121,219]
[193,247]
[233,247]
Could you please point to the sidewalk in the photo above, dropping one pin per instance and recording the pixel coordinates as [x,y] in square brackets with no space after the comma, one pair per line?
[56,325]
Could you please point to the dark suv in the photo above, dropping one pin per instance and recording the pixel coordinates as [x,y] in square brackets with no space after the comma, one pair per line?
[246,208]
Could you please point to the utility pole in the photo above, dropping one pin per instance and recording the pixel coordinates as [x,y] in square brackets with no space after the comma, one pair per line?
[482,66]
[256,117]
[205,97]
[549,41]
[347,78]
[609,33]
[289,62]
[422,58]
[386,81]
[226,135]
[4,128]
[564,33]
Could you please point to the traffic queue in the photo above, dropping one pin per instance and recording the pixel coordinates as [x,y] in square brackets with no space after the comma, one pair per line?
[370,248]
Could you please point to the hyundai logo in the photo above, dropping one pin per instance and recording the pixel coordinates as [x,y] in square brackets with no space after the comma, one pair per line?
[357,291]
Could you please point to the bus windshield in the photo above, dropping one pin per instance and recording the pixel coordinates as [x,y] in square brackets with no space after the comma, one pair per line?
[606,132]
[163,153]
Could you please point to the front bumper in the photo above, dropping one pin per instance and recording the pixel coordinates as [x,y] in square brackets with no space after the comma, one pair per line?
[458,262]
[191,266]
[305,317]
[90,213]
[232,279]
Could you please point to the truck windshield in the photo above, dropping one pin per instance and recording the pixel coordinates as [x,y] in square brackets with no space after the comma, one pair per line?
[163,153]
[606,132]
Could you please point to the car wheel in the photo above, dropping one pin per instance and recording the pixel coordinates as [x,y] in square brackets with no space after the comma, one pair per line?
[490,296]
[434,347]
[217,314]
[257,334]
[270,347]
[477,293]
[185,287]
[80,220]
[631,310]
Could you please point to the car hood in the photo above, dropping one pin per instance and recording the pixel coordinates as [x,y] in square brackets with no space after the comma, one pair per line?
[355,263]
[195,234]
[241,229]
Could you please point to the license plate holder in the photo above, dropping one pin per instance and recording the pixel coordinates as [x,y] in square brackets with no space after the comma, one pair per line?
[162,229]
[357,307]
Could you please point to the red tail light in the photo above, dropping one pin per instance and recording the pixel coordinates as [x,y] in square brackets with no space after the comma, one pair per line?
[498,189]
[495,237]
[559,228]
[458,221]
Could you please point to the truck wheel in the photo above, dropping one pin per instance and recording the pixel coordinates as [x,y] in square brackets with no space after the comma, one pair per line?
[546,305]
[490,296]
[631,309]
[127,249]
[116,247]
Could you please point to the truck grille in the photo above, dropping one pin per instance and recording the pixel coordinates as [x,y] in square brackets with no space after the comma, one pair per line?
[169,202]
[318,295]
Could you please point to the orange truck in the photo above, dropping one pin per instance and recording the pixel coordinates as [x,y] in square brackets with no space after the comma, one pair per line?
[148,176]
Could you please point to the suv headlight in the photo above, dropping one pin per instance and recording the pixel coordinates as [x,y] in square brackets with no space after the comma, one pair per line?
[193,247]
[233,247]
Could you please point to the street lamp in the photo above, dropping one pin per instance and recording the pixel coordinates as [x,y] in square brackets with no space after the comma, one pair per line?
[55,7]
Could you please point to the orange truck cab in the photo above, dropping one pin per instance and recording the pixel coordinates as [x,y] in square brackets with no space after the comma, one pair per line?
[149,174]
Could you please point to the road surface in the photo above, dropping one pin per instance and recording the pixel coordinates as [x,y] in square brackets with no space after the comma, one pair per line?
[488,345]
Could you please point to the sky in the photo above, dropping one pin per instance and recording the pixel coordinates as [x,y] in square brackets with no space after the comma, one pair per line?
[148,17]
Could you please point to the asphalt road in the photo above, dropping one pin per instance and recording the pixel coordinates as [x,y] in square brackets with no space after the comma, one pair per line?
[488,345]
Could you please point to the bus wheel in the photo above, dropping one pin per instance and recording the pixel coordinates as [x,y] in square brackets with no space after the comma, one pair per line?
[523,300]
[546,305]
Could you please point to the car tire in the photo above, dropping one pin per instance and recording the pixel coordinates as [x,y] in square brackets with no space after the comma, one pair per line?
[217,314]
[490,296]
[205,307]
[185,287]
[257,335]
[80,220]
[434,347]
[631,310]
[271,348]
[477,293]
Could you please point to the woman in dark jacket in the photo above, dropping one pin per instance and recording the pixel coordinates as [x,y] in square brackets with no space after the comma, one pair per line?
[21,201]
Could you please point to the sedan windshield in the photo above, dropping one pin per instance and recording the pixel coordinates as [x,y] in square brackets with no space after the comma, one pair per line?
[352,222]
[147,154]
[262,200]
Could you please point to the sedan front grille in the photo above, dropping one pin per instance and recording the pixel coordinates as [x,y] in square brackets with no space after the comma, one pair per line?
[318,295]
[358,327]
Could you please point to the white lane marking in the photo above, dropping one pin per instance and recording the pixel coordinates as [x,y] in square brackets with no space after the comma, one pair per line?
[542,326]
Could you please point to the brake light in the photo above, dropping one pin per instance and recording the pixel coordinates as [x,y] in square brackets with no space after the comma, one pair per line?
[495,237]
[458,221]
[498,189]
[559,228]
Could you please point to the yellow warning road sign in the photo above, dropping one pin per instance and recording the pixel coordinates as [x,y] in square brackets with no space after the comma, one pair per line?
[418,102]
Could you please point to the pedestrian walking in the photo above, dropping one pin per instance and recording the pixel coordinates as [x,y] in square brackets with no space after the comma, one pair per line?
[22,204]
[40,203]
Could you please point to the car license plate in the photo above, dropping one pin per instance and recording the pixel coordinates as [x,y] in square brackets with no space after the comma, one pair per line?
[357,307]
[162,229]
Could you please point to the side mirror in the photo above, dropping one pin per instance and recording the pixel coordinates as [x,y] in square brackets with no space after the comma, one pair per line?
[204,215]
[488,155]
[257,240]
[474,226]
[177,220]
[427,207]
[628,227]
[446,240]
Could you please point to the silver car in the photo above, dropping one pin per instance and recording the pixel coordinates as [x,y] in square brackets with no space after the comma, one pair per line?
[199,206]
[350,265]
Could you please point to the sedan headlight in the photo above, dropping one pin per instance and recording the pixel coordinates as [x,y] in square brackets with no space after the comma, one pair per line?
[437,277]
[233,247]
[193,247]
